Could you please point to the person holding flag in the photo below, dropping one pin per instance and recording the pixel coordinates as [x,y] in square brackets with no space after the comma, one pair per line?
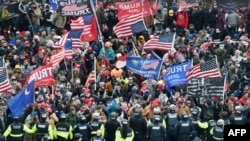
[15,131]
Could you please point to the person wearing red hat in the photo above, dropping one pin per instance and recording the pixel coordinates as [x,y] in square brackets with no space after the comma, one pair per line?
[26,69]
[148,110]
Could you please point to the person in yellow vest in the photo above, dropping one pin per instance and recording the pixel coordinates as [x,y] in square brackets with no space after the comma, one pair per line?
[43,128]
[124,133]
[217,132]
[15,131]
[63,130]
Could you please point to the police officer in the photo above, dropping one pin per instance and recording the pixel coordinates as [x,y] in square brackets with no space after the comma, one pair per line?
[98,136]
[157,112]
[206,125]
[110,127]
[225,117]
[183,128]
[124,133]
[217,132]
[95,125]
[43,128]
[15,131]
[83,128]
[156,131]
[139,125]
[238,118]
[77,137]
[63,130]
[172,119]
[194,118]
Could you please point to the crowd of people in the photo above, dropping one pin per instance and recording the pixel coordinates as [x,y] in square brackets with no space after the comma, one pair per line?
[121,105]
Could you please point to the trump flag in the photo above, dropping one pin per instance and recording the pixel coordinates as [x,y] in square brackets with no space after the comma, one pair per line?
[18,103]
[148,68]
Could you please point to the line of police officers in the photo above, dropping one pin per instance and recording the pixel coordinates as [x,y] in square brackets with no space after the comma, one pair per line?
[170,127]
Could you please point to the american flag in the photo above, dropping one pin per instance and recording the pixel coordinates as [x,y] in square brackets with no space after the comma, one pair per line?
[57,58]
[77,24]
[194,86]
[151,65]
[90,79]
[162,42]
[68,50]
[130,25]
[87,19]
[209,69]
[4,81]
[215,86]
[83,23]
[205,45]
[183,5]
[73,7]
[60,44]
[74,36]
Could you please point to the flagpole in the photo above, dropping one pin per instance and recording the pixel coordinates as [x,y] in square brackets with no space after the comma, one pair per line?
[136,51]
[173,41]
[225,81]
[65,63]
[95,71]
[97,22]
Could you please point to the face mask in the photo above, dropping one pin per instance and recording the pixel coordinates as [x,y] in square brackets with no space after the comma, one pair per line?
[221,47]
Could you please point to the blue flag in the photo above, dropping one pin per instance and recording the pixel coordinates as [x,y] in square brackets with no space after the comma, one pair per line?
[148,68]
[54,4]
[176,74]
[18,103]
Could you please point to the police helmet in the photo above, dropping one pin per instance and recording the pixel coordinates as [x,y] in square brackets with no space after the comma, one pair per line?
[16,118]
[220,122]
[96,115]
[62,116]
[137,111]
[82,118]
[113,116]
[209,115]
[172,107]
[77,136]
[44,116]
[156,119]
[238,109]
[224,114]
[184,115]
[195,111]
[124,122]
[156,111]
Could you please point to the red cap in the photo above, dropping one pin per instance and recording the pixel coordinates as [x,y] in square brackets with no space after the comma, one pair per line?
[22,33]
[90,48]
[86,101]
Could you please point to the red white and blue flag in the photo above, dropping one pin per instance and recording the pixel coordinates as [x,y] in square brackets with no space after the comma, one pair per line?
[131,25]
[162,42]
